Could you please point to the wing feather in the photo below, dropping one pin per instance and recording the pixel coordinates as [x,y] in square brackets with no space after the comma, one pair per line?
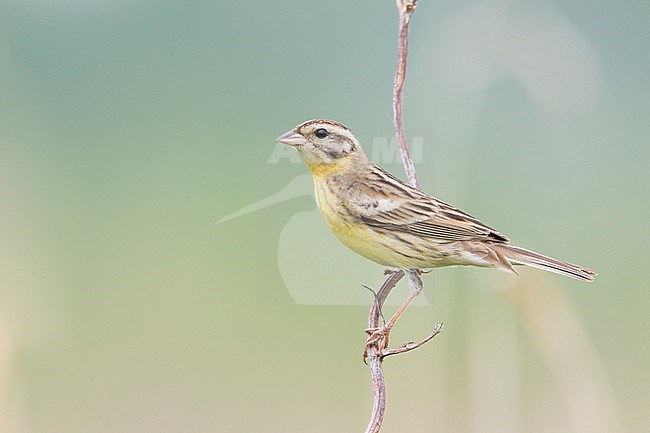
[397,206]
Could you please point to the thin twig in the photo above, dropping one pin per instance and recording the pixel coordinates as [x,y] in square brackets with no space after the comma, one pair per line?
[374,354]
[374,350]
[376,298]
[406,9]
[412,346]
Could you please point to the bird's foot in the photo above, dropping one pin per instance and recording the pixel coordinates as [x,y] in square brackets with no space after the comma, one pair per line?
[376,336]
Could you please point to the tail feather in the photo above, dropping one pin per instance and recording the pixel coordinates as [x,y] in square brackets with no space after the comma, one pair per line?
[520,256]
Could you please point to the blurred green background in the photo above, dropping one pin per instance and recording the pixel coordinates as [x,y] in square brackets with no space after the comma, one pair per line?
[129,127]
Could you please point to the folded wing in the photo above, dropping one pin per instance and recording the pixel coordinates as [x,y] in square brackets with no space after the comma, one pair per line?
[390,204]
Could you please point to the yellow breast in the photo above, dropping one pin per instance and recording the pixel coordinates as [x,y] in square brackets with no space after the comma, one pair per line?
[379,247]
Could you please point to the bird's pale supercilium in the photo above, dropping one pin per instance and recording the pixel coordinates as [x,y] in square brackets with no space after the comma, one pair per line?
[394,224]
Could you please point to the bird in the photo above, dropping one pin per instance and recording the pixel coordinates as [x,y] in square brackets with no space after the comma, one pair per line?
[394,224]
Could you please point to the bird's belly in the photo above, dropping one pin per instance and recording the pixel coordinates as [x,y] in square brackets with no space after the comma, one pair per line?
[388,249]
[377,247]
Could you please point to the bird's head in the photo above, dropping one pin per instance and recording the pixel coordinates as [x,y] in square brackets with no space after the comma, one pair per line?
[325,146]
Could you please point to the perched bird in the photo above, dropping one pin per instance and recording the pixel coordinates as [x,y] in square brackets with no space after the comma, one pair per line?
[384,219]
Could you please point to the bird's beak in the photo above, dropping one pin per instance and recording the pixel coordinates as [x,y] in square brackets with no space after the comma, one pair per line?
[292,138]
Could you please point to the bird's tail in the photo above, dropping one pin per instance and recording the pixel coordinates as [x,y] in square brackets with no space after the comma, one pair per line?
[520,256]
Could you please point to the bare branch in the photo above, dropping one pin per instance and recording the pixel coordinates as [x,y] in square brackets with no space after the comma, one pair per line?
[406,9]
[412,346]
[374,357]
[374,350]
[376,298]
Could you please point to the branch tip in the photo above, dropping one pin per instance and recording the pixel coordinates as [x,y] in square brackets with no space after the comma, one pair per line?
[411,346]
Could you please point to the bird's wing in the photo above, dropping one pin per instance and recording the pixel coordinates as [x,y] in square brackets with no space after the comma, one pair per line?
[389,203]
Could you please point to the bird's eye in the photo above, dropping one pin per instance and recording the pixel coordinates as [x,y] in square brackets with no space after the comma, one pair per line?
[321,133]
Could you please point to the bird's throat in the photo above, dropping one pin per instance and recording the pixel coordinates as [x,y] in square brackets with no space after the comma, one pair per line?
[322,170]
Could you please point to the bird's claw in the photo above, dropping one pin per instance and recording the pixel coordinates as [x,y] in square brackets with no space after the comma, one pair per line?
[376,336]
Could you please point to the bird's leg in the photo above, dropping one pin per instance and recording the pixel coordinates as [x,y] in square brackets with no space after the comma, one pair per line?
[380,334]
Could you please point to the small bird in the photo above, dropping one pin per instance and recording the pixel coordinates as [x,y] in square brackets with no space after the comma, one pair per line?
[388,221]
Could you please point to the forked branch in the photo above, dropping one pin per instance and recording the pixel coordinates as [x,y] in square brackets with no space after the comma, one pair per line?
[377,351]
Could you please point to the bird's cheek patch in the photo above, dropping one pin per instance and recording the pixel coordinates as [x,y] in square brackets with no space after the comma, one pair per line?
[337,151]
